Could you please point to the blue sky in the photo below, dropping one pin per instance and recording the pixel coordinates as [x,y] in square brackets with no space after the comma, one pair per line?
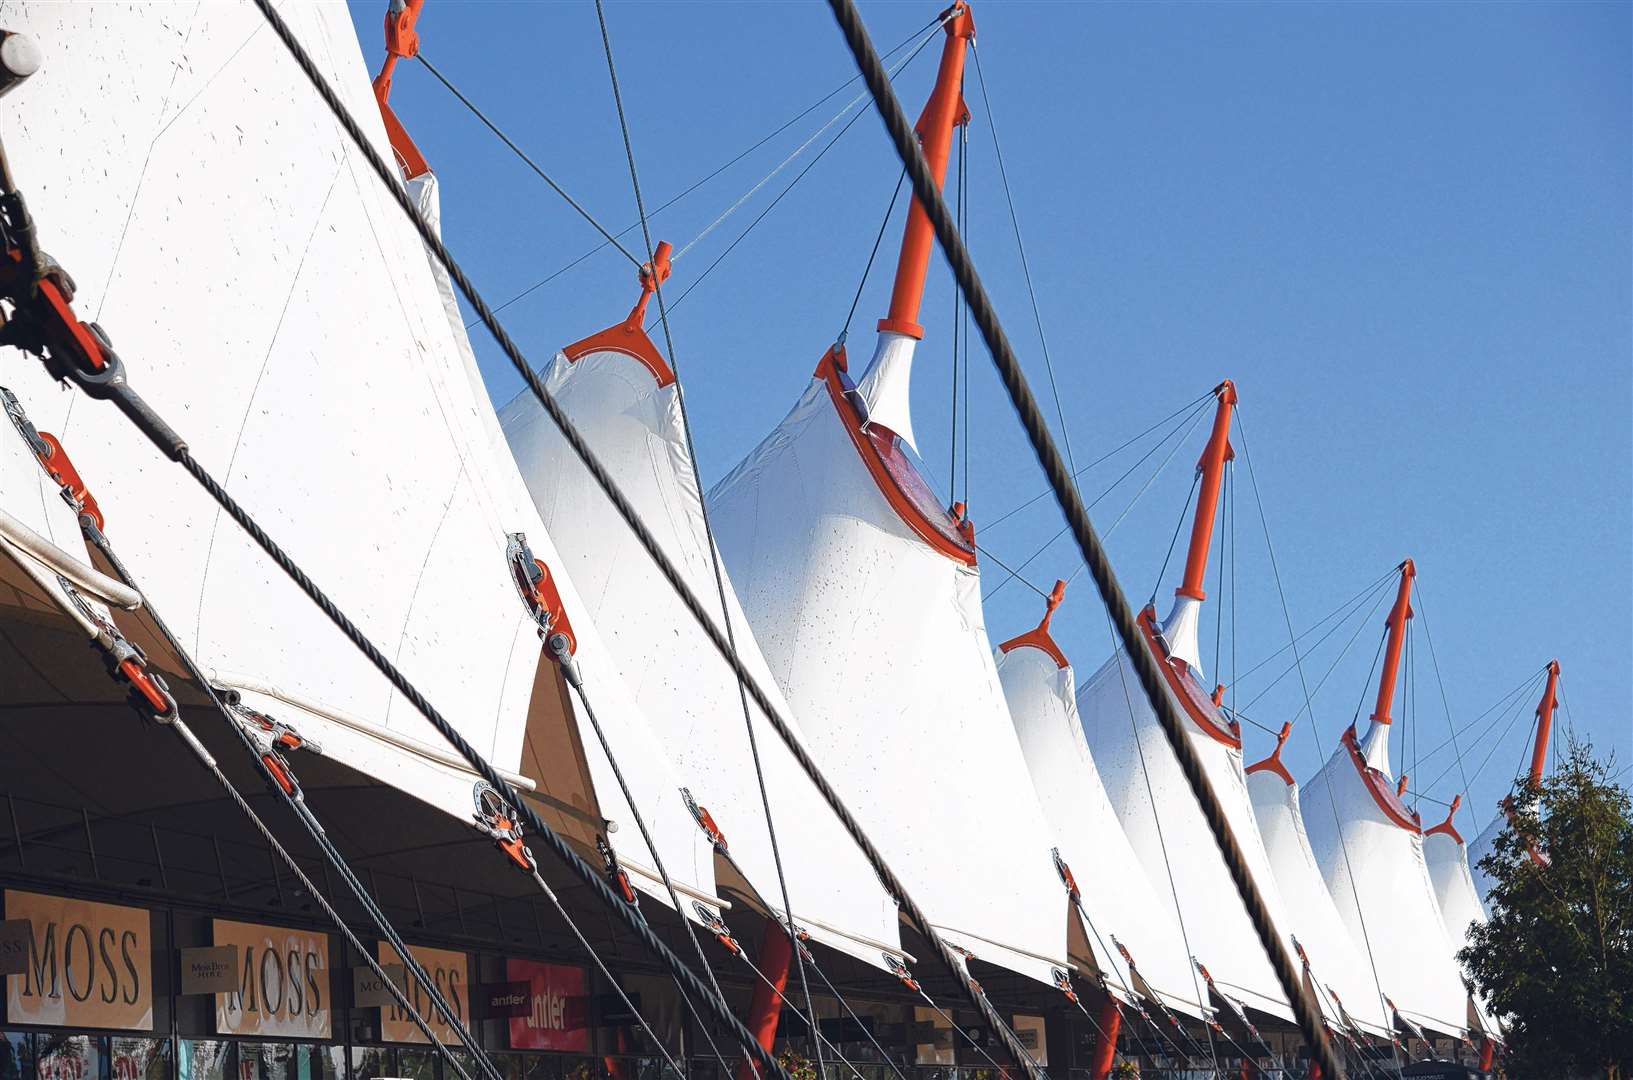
[1403,230]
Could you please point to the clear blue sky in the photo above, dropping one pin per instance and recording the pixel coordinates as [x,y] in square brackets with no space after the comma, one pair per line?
[1404,230]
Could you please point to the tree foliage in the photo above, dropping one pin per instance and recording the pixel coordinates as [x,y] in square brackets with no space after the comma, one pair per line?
[1555,961]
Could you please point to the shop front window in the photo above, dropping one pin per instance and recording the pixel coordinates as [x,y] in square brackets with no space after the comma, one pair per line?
[134,1058]
[69,1057]
[203,1059]
[16,1055]
[371,1062]
[419,1065]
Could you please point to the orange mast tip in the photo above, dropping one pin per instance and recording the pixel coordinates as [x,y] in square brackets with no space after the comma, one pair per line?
[1398,614]
[1212,467]
[942,113]
[1545,723]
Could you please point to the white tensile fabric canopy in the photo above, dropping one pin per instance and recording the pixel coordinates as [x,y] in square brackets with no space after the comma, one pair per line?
[627,405]
[1340,964]
[269,299]
[865,599]
[1447,858]
[1370,852]
[1119,902]
[1162,820]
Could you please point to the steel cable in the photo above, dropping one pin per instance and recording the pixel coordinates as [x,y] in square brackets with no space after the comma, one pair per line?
[1059,475]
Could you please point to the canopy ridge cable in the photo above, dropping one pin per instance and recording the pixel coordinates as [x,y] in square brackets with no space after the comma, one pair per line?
[761,216]
[297,803]
[784,126]
[1107,456]
[1309,707]
[1020,247]
[1195,418]
[1162,841]
[526,160]
[95,536]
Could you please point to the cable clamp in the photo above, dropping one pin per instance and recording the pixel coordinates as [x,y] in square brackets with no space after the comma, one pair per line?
[714,924]
[705,821]
[495,819]
[1063,983]
[149,693]
[1066,877]
[616,875]
[537,588]
[267,731]
[894,965]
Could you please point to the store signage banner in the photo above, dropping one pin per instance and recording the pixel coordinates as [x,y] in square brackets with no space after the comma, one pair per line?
[448,974]
[556,1017]
[370,991]
[283,987]
[209,970]
[502,1001]
[84,964]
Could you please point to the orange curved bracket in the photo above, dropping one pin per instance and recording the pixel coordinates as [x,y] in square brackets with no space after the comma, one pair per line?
[630,337]
[1273,763]
[897,477]
[1377,785]
[1184,687]
[402,41]
[1446,828]
[1039,637]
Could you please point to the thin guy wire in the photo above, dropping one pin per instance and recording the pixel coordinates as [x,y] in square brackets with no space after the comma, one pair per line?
[1444,700]
[845,330]
[1020,246]
[1315,733]
[1108,455]
[1149,480]
[529,162]
[761,216]
[669,347]
[714,555]
[632,226]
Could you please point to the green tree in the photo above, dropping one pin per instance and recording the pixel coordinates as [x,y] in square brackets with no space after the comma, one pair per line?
[1556,960]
